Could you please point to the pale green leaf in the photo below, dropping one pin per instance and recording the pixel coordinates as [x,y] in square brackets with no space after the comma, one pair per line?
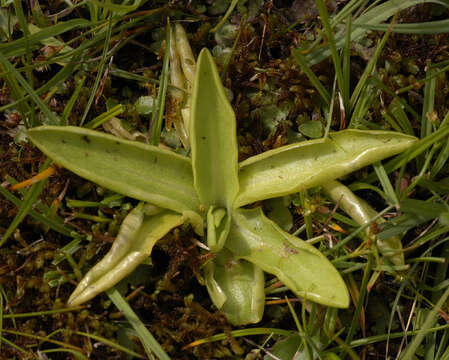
[218,225]
[133,244]
[214,289]
[130,168]
[300,266]
[185,54]
[144,105]
[312,129]
[299,166]
[362,213]
[213,137]
[237,288]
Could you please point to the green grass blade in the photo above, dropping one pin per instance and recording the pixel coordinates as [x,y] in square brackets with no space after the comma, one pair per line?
[392,122]
[302,62]
[350,8]
[118,8]
[443,348]
[28,201]
[8,66]
[17,47]
[136,77]
[69,106]
[430,321]
[149,343]
[76,354]
[243,332]
[429,28]
[347,65]
[376,15]
[440,187]
[358,231]
[109,343]
[107,115]
[51,223]
[393,94]
[17,93]
[43,339]
[441,68]
[332,45]
[361,212]
[355,323]
[380,338]
[397,110]
[386,184]
[101,66]
[61,76]
[441,160]
[330,112]
[414,151]
[362,106]
[23,24]
[429,102]
[158,111]
[18,348]
[40,313]
[1,318]
[231,7]
[68,249]
[368,71]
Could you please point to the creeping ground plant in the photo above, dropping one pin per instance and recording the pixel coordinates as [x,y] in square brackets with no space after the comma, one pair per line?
[211,191]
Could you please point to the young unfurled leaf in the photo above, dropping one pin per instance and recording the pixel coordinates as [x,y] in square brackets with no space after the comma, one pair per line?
[177,101]
[362,213]
[218,225]
[133,244]
[296,167]
[236,287]
[185,54]
[213,137]
[300,266]
[130,168]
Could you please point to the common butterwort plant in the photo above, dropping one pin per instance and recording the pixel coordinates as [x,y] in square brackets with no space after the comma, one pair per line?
[210,191]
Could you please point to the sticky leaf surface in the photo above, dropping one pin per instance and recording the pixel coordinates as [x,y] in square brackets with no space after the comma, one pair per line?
[240,285]
[137,170]
[306,164]
[213,137]
[133,244]
[299,265]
